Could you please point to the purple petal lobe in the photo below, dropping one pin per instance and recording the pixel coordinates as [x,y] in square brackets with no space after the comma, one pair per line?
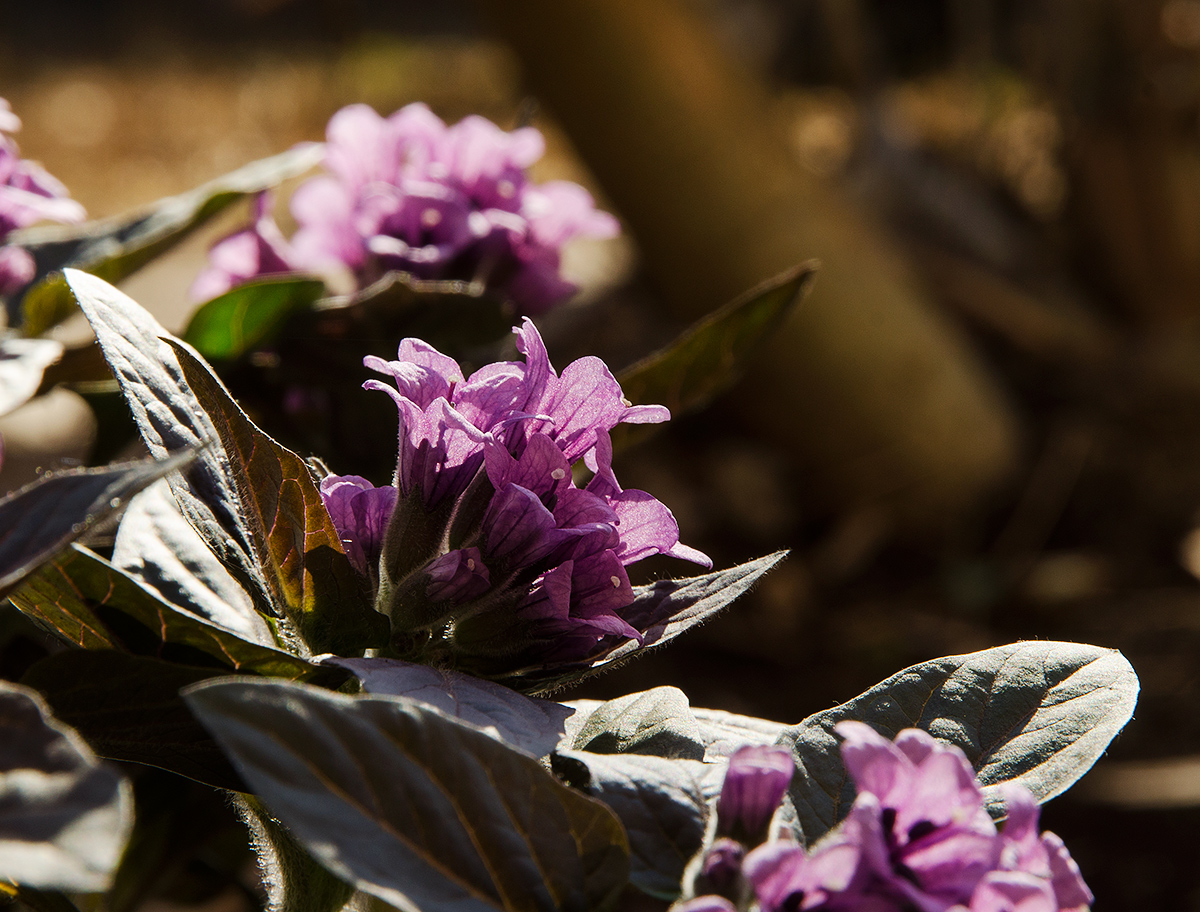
[755,783]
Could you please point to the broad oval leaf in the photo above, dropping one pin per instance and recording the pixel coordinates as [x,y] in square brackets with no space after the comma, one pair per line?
[22,365]
[158,546]
[297,547]
[128,708]
[65,818]
[412,806]
[115,248]
[171,419]
[44,517]
[660,802]
[656,722]
[88,602]
[1040,713]
[724,732]
[533,725]
[711,355]
[249,315]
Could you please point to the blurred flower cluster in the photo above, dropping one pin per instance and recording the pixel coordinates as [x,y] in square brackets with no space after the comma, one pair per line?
[485,546]
[410,193]
[28,194]
[918,837]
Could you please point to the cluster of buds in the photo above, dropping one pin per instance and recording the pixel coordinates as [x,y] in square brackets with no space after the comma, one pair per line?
[28,194]
[918,837]
[484,553]
[410,193]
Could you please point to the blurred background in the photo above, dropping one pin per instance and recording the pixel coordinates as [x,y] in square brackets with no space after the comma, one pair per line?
[982,425]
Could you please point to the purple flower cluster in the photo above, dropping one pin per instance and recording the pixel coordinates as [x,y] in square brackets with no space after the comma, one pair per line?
[917,838]
[486,549]
[28,194]
[410,193]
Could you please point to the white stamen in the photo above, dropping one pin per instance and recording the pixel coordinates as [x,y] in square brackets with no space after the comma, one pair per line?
[470,563]
[430,218]
[616,581]
[625,402]
[506,189]
[558,474]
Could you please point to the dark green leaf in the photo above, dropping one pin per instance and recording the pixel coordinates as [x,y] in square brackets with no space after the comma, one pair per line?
[249,315]
[295,542]
[129,708]
[115,248]
[533,725]
[452,316]
[416,808]
[657,722]
[65,817]
[42,518]
[713,353]
[1040,713]
[88,602]
[659,802]
[171,419]
[156,545]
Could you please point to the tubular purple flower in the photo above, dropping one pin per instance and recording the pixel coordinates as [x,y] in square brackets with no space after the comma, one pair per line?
[251,253]
[410,193]
[492,554]
[360,512]
[755,783]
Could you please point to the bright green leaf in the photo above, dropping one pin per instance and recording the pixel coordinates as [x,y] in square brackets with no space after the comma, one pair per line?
[247,316]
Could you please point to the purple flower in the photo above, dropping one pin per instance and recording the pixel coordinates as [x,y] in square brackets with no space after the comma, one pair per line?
[28,194]
[251,253]
[360,512]
[410,193]
[918,837]
[755,782]
[492,554]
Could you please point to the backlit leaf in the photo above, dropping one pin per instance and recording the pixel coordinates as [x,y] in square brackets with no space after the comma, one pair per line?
[171,419]
[295,542]
[87,601]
